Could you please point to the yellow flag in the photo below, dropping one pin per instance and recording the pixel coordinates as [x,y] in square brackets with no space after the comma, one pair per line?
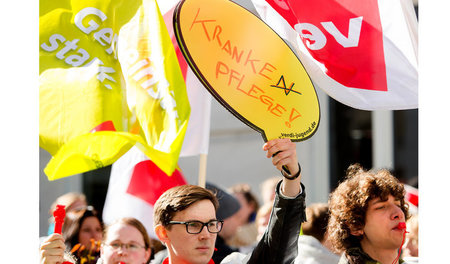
[156,91]
[86,81]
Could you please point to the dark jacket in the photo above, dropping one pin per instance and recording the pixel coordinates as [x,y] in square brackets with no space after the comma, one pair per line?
[279,244]
[357,256]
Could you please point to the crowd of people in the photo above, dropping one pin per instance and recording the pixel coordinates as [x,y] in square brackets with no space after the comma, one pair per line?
[366,220]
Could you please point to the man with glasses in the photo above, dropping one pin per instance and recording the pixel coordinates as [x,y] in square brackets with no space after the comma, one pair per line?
[185,217]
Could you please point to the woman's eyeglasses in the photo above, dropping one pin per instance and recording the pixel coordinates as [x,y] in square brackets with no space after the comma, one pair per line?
[130,246]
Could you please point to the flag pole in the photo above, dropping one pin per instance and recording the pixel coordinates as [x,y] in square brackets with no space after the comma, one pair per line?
[202,170]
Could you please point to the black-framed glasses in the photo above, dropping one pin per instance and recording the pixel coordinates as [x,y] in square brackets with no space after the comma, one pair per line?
[195,227]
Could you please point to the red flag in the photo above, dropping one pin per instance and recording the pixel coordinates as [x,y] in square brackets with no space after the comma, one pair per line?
[134,186]
[148,181]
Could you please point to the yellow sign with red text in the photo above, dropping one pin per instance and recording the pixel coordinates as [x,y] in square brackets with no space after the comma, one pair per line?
[248,68]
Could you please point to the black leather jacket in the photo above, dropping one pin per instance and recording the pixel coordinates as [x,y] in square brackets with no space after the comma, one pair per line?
[279,243]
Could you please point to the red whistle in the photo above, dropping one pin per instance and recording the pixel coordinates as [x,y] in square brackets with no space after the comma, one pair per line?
[59,215]
[401,225]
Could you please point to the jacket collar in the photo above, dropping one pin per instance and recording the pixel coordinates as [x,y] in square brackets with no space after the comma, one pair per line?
[357,255]
[166,261]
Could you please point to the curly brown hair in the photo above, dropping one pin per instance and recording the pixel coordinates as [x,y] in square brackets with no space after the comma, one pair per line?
[177,199]
[349,202]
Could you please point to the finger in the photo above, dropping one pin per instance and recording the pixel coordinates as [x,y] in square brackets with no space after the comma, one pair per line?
[52,256]
[273,142]
[52,260]
[55,236]
[285,157]
[54,240]
[276,145]
[282,146]
[52,252]
[290,164]
[53,244]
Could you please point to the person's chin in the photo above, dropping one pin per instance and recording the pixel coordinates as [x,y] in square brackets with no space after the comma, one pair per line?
[201,257]
[204,251]
[397,240]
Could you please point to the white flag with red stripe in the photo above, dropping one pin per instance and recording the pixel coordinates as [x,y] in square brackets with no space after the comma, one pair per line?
[361,53]
[412,197]
[134,186]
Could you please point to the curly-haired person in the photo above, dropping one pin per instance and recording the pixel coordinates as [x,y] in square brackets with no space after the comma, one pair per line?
[365,210]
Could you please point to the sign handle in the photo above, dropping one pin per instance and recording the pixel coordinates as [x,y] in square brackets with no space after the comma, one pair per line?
[202,170]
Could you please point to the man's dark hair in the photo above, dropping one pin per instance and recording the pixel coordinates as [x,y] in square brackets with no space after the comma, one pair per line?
[177,199]
[349,202]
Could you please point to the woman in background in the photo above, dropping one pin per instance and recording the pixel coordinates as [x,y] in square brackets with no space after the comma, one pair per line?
[83,228]
[126,240]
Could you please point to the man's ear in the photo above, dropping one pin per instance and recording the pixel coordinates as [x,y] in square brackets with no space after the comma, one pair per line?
[357,232]
[161,233]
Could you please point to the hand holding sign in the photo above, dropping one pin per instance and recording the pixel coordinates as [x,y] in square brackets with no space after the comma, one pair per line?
[248,68]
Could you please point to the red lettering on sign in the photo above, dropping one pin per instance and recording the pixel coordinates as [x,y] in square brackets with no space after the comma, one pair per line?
[266,68]
[294,114]
[203,23]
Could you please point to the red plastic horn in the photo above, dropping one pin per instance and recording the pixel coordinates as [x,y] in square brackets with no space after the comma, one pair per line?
[401,225]
[59,215]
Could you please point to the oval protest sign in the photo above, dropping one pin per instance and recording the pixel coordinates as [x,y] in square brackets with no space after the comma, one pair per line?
[248,68]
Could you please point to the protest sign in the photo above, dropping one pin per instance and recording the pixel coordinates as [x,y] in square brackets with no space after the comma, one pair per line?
[248,68]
